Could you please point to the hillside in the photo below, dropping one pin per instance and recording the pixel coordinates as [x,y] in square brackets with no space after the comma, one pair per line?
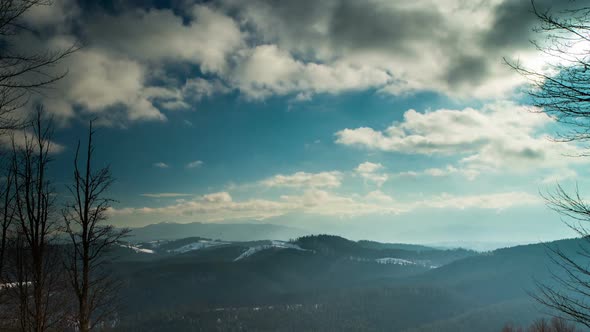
[333,282]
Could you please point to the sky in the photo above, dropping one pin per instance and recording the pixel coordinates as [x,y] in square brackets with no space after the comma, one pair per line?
[385,120]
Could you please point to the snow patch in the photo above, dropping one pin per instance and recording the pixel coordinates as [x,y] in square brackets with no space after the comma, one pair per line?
[14,284]
[396,261]
[201,244]
[157,243]
[274,244]
[138,249]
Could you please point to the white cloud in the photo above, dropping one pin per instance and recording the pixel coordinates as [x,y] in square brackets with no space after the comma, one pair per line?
[194,164]
[220,197]
[161,165]
[165,195]
[559,175]
[379,196]
[110,78]
[499,136]
[469,174]
[307,180]
[382,45]
[266,70]
[22,138]
[252,47]
[212,207]
[496,201]
[221,206]
[369,171]
[111,88]
[183,98]
[368,167]
[324,203]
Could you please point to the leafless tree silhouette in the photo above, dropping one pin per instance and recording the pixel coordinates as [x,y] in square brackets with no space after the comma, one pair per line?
[543,325]
[562,90]
[7,214]
[34,271]
[91,237]
[23,71]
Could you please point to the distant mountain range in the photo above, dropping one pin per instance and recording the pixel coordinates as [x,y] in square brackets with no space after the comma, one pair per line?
[252,231]
[221,231]
[326,282]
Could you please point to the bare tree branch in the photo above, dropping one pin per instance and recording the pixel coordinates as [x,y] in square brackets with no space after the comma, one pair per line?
[562,90]
[91,238]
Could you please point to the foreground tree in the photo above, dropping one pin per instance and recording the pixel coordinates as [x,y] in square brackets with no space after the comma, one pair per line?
[91,239]
[23,72]
[542,325]
[35,271]
[7,214]
[562,90]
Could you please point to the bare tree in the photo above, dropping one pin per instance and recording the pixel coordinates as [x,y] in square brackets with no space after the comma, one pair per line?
[7,214]
[556,324]
[23,71]
[91,238]
[35,272]
[562,90]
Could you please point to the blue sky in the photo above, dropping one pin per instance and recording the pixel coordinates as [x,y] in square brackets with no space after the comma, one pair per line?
[379,120]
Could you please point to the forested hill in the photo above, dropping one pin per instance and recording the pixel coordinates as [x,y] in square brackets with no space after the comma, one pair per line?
[329,283]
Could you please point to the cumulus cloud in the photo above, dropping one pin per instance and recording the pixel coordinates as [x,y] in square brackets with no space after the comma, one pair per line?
[155,35]
[498,136]
[266,70]
[370,172]
[109,87]
[388,41]
[194,90]
[262,48]
[305,180]
[122,75]
[21,139]
[220,197]
[368,167]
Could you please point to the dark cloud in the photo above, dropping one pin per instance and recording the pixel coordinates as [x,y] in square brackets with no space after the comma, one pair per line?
[514,21]
[358,26]
[261,48]
[512,25]
[311,26]
[468,52]
[466,69]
